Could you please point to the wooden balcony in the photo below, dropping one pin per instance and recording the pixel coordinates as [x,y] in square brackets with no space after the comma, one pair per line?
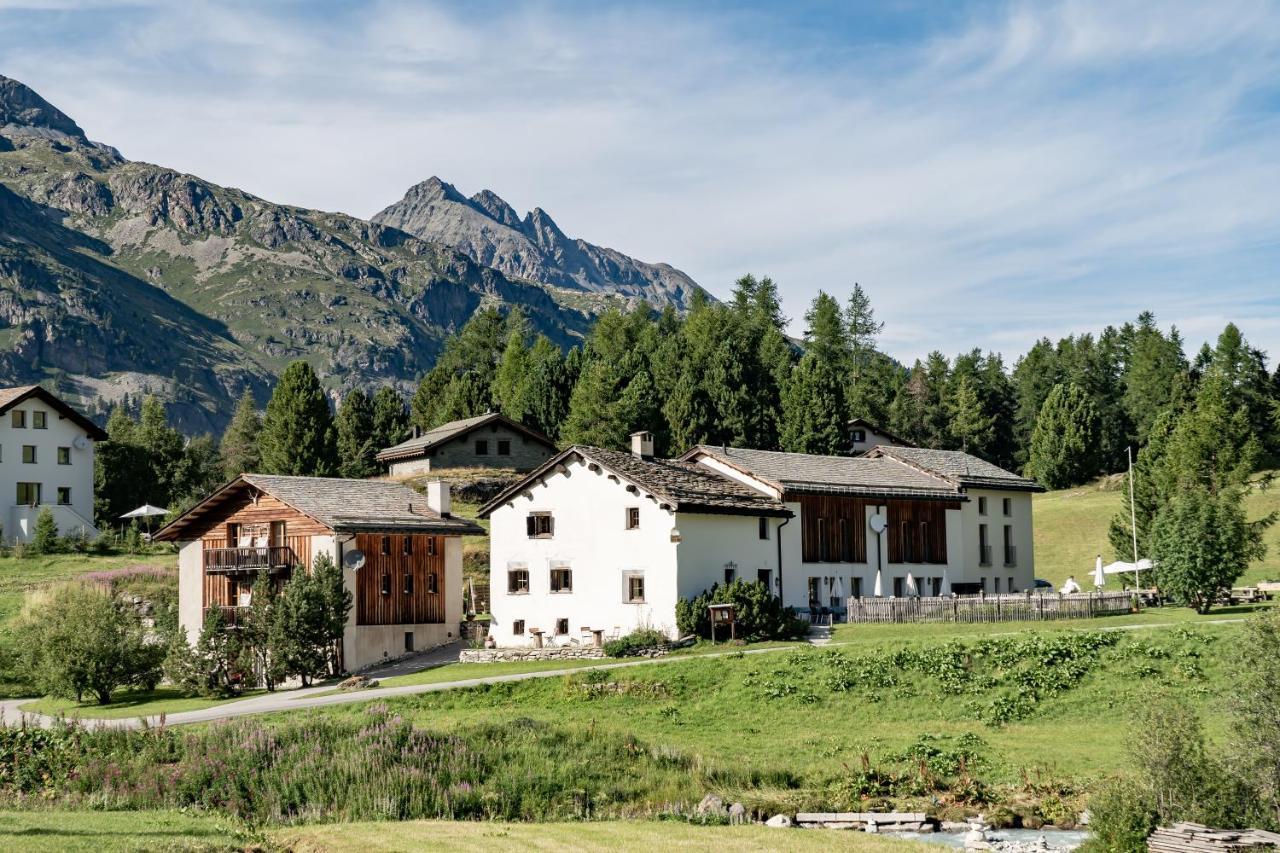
[250,559]
[232,616]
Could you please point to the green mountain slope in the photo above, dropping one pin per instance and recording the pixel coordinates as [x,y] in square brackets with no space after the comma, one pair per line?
[119,278]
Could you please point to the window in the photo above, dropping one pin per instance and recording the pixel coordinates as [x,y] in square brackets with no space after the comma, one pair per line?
[386,584]
[815,593]
[386,545]
[764,528]
[64,455]
[406,545]
[517,627]
[561,579]
[984,546]
[504,447]
[517,581]
[64,495]
[936,584]
[908,544]
[1007,505]
[634,587]
[29,453]
[433,585]
[729,574]
[1010,587]
[823,555]
[845,550]
[28,494]
[562,627]
[408,583]
[997,585]
[765,576]
[482,447]
[431,546]
[408,641]
[540,525]
[855,587]
[982,505]
[279,533]
[39,420]
[633,518]
[859,436]
[1010,553]
[925,551]
[19,419]
[897,587]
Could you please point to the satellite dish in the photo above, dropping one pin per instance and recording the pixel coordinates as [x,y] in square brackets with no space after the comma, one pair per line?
[353,559]
[79,442]
[878,523]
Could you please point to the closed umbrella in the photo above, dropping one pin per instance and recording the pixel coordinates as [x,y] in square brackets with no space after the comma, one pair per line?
[1099,577]
[911,585]
[839,593]
[879,585]
[946,581]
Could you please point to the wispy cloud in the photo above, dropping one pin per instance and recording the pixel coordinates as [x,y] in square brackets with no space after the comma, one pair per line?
[1013,171]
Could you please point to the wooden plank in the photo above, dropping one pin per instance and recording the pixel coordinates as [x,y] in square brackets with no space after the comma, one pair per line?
[395,606]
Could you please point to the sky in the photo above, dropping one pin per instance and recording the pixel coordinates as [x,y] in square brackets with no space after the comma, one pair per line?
[991,173]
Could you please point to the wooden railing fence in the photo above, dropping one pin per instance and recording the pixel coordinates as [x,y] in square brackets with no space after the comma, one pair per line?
[1017,607]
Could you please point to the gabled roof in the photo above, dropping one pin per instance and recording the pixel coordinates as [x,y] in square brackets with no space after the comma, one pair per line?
[879,430]
[680,486]
[843,475]
[10,397]
[433,438]
[339,504]
[955,465]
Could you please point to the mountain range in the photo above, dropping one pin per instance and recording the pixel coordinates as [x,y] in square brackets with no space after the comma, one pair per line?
[119,278]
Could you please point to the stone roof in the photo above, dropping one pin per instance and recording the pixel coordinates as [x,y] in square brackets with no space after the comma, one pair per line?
[850,475]
[957,466]
[436,436]
[10,397]
[681,486]
[339,504]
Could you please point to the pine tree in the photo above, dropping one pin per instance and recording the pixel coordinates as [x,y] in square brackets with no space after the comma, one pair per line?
[240,442]
[476,351]
[907,414]
[1153,366]
[356,444]
[44,537]
[390,418]
[1064,442]
[164,448]
[813,419]
[548,386]
[297,433]
[970,426]
[1202,542]
[510,383]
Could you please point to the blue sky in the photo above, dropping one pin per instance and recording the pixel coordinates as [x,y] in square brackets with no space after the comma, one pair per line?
[990,173]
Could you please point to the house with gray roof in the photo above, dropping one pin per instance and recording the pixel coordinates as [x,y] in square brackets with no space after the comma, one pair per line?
[400,553]
[490,440]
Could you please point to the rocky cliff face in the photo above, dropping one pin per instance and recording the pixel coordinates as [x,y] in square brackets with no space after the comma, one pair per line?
[490,232]
[119,278]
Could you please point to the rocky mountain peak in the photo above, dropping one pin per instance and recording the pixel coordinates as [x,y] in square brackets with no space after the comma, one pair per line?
[434,189]
[494,205]
[20,106]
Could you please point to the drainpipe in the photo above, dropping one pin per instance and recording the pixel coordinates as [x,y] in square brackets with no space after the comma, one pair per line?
[784,523]
[880,510]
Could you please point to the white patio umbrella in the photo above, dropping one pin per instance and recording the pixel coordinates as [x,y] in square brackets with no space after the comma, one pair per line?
[839,590]
[912,590]
[946,581]
[879,585]
[147,512]
[1099,577]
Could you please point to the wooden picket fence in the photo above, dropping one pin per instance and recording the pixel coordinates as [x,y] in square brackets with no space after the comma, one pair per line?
[1017,607]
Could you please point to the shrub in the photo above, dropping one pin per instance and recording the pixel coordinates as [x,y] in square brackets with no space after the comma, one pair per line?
[635,642]
[758,613]
[44,538]
[1121,816]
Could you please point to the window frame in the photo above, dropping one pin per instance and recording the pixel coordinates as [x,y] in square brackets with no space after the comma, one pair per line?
[536,520]
[433,583]
[406,546]
[481,447]
[38,494]
[632,518]
[517,628]
[39,419]
[762,529]
[431,546]
[64,490]
[513,587]
[565,582]
[64,455]
[1006,507]
[18,419]
[982,504]
[629,578]
[34,454]
[384,546]
[407,586]
[562,622]
[504,447]
[730,575]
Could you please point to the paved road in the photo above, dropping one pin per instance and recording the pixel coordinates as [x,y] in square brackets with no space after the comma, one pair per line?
[315,697]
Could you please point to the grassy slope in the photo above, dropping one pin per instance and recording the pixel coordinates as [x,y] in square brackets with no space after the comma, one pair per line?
[106,832]
[19,575]
[1071,529]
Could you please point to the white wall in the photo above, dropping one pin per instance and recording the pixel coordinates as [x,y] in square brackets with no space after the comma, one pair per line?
[191,588]
[78,476]
[590,536]
[711,541]
[1020,519]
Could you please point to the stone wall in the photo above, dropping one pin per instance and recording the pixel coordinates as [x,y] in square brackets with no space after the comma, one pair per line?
[522,654]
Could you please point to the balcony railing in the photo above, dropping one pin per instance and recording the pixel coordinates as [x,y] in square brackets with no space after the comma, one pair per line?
[253,558]
[1010,555]
[984,555]
[232,616]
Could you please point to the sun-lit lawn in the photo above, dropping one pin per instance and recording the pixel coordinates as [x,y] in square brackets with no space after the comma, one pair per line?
[108,832]
[129,703]
[19,575]
[1071,530]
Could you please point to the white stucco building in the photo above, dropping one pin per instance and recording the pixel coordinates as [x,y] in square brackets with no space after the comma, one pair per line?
[46,460]
[603,540]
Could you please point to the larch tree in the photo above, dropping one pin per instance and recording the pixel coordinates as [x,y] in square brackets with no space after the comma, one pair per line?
[240,453]
[970,426]
[297,433]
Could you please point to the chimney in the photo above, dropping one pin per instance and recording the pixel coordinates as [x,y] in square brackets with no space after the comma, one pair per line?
[417,431]
[438,497]
[642,445]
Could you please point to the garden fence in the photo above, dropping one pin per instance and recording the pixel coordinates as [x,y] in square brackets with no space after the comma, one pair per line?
[1017,607]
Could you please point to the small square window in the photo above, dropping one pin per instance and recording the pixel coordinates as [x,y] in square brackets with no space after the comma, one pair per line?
[763,529]
[517,627]
[729,575]
[633,517]
[28,494]
[635,588]
[517,581]
[562,579]
[408,583]
[406,545]
[482,447]
[29,453]
[385,545]
[1008,506]
[562,627]
[408,641]
[540,525]
[19,419]
[432,587]
[64,455]
[982,505]
[859,436]
[765,577]
[64,495]
[40,420]
[504,447]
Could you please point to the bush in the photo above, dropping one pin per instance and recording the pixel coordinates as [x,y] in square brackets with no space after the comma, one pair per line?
[635,642]
[44,539]
[758,613]
[1121,815]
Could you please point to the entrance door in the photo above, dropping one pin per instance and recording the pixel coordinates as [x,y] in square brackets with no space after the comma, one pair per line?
[815,593]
